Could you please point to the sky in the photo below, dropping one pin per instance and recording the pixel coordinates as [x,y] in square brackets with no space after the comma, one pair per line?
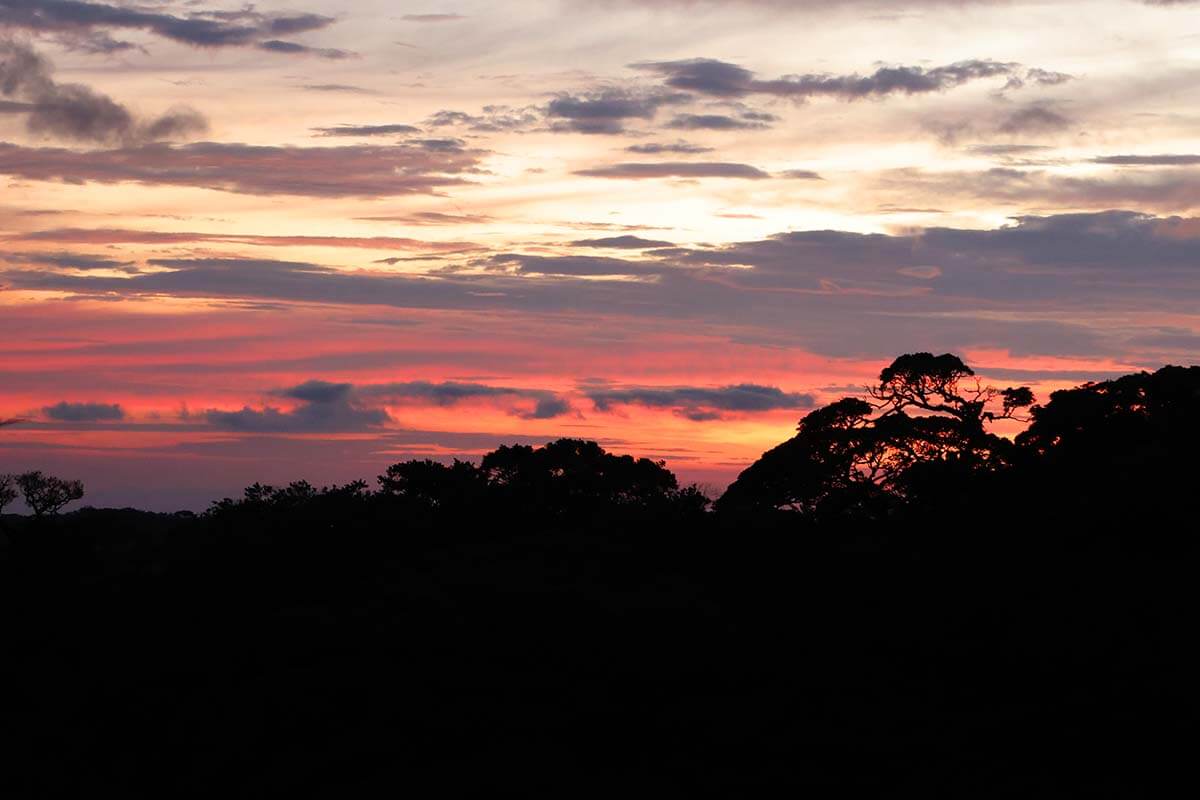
[269,242]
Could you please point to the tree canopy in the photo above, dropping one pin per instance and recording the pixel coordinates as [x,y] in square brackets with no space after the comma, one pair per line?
[564,480]
[8,490]
[47,494]
[1126,445]
[927,427]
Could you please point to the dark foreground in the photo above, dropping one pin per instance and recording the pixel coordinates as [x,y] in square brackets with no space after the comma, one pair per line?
[258,655]
[941,613]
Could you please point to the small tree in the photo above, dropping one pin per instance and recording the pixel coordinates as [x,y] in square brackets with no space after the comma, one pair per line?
[46,494]
[8,491]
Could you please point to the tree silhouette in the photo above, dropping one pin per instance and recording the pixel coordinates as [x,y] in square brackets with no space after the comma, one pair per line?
[432,485]
[8,491]
[47,494]
[1122,448]
[926,430]
[296,500]
[570,475]
[820,462]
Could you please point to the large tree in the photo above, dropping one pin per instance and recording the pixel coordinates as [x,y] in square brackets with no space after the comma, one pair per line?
[1122,448]
[926,427]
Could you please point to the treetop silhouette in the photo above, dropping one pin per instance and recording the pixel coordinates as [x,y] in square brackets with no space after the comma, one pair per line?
[567,479]
[917,445]
[854,457]
[8,490]
[47,494]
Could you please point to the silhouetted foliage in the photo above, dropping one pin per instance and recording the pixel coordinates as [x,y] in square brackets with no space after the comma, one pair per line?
[1122,449]
[566,481]
[46,494]
[572,476]
[8,490]
[926,429]
[432,486]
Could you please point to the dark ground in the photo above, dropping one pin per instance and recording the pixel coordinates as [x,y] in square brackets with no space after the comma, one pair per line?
[260,656]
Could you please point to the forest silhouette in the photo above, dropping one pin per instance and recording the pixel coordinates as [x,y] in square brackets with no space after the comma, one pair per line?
[897,599]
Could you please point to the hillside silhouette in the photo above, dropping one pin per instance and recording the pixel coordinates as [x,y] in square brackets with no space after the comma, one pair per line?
[896,600]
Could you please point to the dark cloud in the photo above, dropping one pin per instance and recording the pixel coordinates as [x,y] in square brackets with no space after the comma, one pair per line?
[659,148]
[94,43]
[1159,160]
[6,421]
[578,266]
[1046,77]
[442,119]
[440,145]
[721,79]
[342,406]
[448,393]
[1170,189]
[199,29]
[547,408]
[353,171]
[1065,257]
[77,112]
[324,407]
[293,48]
[713,122]
[706,169]
[367,130]
[1041,285]
[177,123]
[1024,375]
[336,87]
[606,110]
[492,119]
[1002,121]
[622,243]
[1168,339]
[546,404]
[268,280]
[66,260]
[701,404]
[280,24]
[800,175]
[1116,254]
[704,75]
[392,261]
[84,412]
[314,391]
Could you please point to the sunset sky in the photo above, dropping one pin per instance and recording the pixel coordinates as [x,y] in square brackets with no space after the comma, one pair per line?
[277,241]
